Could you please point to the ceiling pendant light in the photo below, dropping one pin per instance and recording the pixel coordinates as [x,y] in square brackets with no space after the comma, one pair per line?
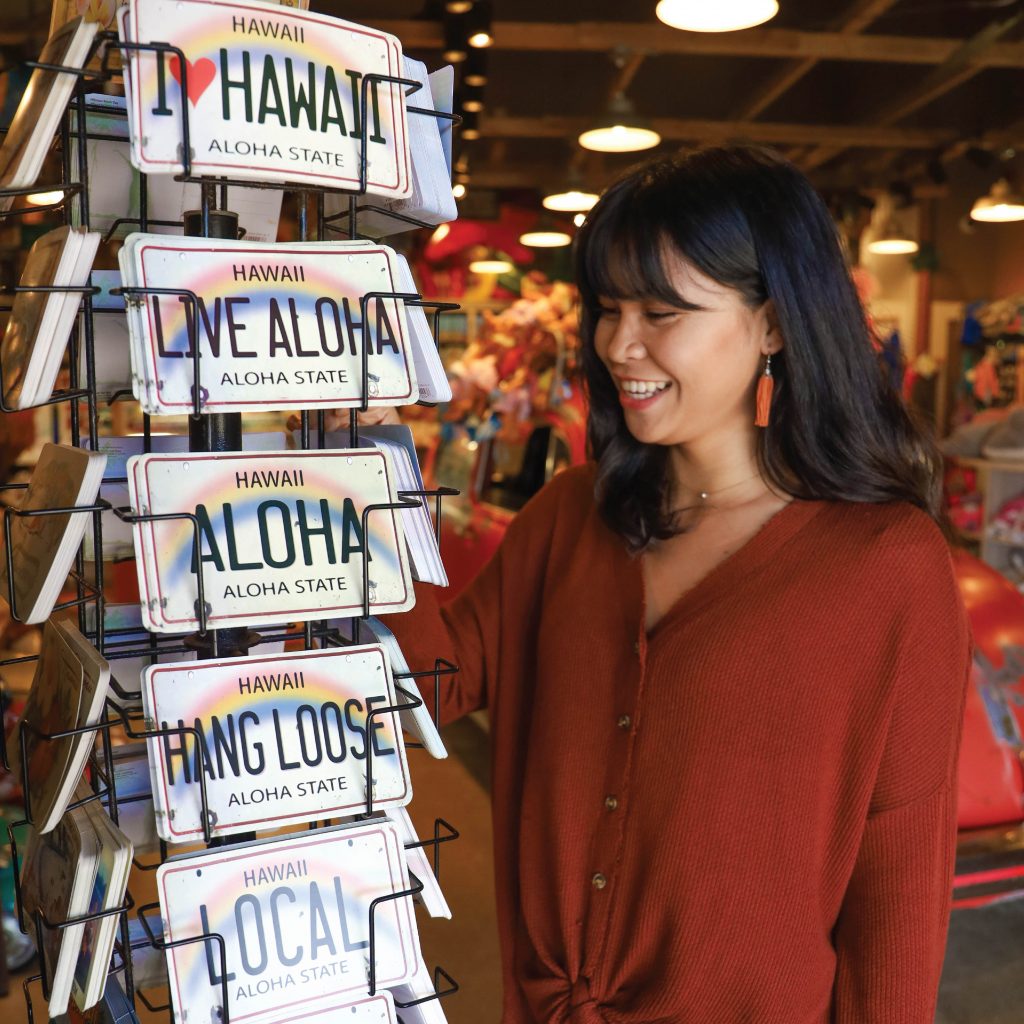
[720,16]
[893,241]
[545,239]
[620,130]
[572,200]
[546,234]
[493,265]
[1001,206]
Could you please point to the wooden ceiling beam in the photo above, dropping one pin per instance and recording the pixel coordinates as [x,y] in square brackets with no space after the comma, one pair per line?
[605,37]
[680,130]
[959,68]
[855,21]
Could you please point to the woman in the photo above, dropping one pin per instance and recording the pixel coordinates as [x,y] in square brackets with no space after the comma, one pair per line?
[725,663]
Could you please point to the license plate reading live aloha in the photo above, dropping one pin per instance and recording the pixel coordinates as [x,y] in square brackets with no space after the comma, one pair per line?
[281,537]
[286,739]
[278,327]
[273,94]
[294,914]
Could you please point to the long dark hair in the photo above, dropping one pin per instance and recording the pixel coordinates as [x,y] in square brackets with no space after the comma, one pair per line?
[751,221]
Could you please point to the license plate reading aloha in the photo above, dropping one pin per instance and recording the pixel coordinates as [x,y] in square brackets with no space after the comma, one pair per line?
[281,537]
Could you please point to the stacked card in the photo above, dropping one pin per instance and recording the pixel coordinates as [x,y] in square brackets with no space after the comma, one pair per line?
[135,816]
[431,201]
[283,739]
[57,880]
[43,546]
[68,692]
[294,912]
[246,117]
[430,371]
[42,104]
[282,536]
[40,322]
[398,442]
[113,865]
[278,327]
[416,721]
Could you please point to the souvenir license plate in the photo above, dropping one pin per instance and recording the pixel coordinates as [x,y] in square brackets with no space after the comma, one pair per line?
[285,740]
[294,913]
[281,537]
[278,327]
[273,94]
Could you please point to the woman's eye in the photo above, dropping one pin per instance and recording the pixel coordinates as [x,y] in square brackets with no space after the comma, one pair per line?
[607,311]
[661,314]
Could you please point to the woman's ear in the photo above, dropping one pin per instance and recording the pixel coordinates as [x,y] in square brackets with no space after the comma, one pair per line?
[773,341]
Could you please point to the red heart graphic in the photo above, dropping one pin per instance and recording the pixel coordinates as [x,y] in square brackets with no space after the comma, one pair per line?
[200,75]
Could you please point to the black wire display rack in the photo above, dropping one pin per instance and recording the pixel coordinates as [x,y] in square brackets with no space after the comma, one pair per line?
[217,432]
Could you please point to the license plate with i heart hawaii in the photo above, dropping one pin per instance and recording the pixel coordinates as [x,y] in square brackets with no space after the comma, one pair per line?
[272,94]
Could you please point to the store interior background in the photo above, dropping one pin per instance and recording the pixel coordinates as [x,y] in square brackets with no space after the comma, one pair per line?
[903,112]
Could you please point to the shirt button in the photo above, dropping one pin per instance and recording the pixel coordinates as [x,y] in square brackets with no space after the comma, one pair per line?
[599,881]
[611,802]
[625,721]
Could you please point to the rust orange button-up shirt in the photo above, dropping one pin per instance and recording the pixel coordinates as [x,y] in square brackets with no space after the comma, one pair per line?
[749,814]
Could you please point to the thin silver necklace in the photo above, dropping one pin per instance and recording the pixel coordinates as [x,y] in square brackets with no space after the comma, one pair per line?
[704,495]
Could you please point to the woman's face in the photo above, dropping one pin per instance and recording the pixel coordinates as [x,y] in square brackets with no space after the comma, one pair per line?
[685,375]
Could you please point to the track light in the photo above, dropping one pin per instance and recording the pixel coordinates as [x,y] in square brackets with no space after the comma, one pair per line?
[475,73]
[473,99]
[470,126]
[455,50]
[478,25]
[458,6]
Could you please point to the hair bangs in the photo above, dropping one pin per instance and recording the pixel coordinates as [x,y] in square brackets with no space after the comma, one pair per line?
[622,256]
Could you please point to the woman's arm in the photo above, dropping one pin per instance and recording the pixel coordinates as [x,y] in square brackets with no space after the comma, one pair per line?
[891,934]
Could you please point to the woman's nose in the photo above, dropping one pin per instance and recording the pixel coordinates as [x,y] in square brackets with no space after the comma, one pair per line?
[626,343]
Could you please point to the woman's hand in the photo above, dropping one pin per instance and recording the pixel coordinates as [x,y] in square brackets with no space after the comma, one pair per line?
[337,419]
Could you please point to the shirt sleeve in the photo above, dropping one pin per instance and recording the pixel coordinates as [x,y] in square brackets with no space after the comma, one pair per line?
[464,633]
[493,616]
[890,937]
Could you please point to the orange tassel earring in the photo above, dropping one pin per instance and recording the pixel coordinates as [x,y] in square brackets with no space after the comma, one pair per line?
[765,387]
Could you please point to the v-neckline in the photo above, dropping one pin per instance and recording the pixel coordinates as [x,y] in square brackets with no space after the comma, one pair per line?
[744,561]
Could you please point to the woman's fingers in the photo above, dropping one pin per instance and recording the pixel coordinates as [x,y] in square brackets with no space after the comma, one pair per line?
[337,419]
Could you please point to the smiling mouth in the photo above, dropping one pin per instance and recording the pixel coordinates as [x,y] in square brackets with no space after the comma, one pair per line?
[642,388]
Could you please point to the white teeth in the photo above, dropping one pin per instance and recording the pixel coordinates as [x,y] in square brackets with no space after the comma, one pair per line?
[642,388]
